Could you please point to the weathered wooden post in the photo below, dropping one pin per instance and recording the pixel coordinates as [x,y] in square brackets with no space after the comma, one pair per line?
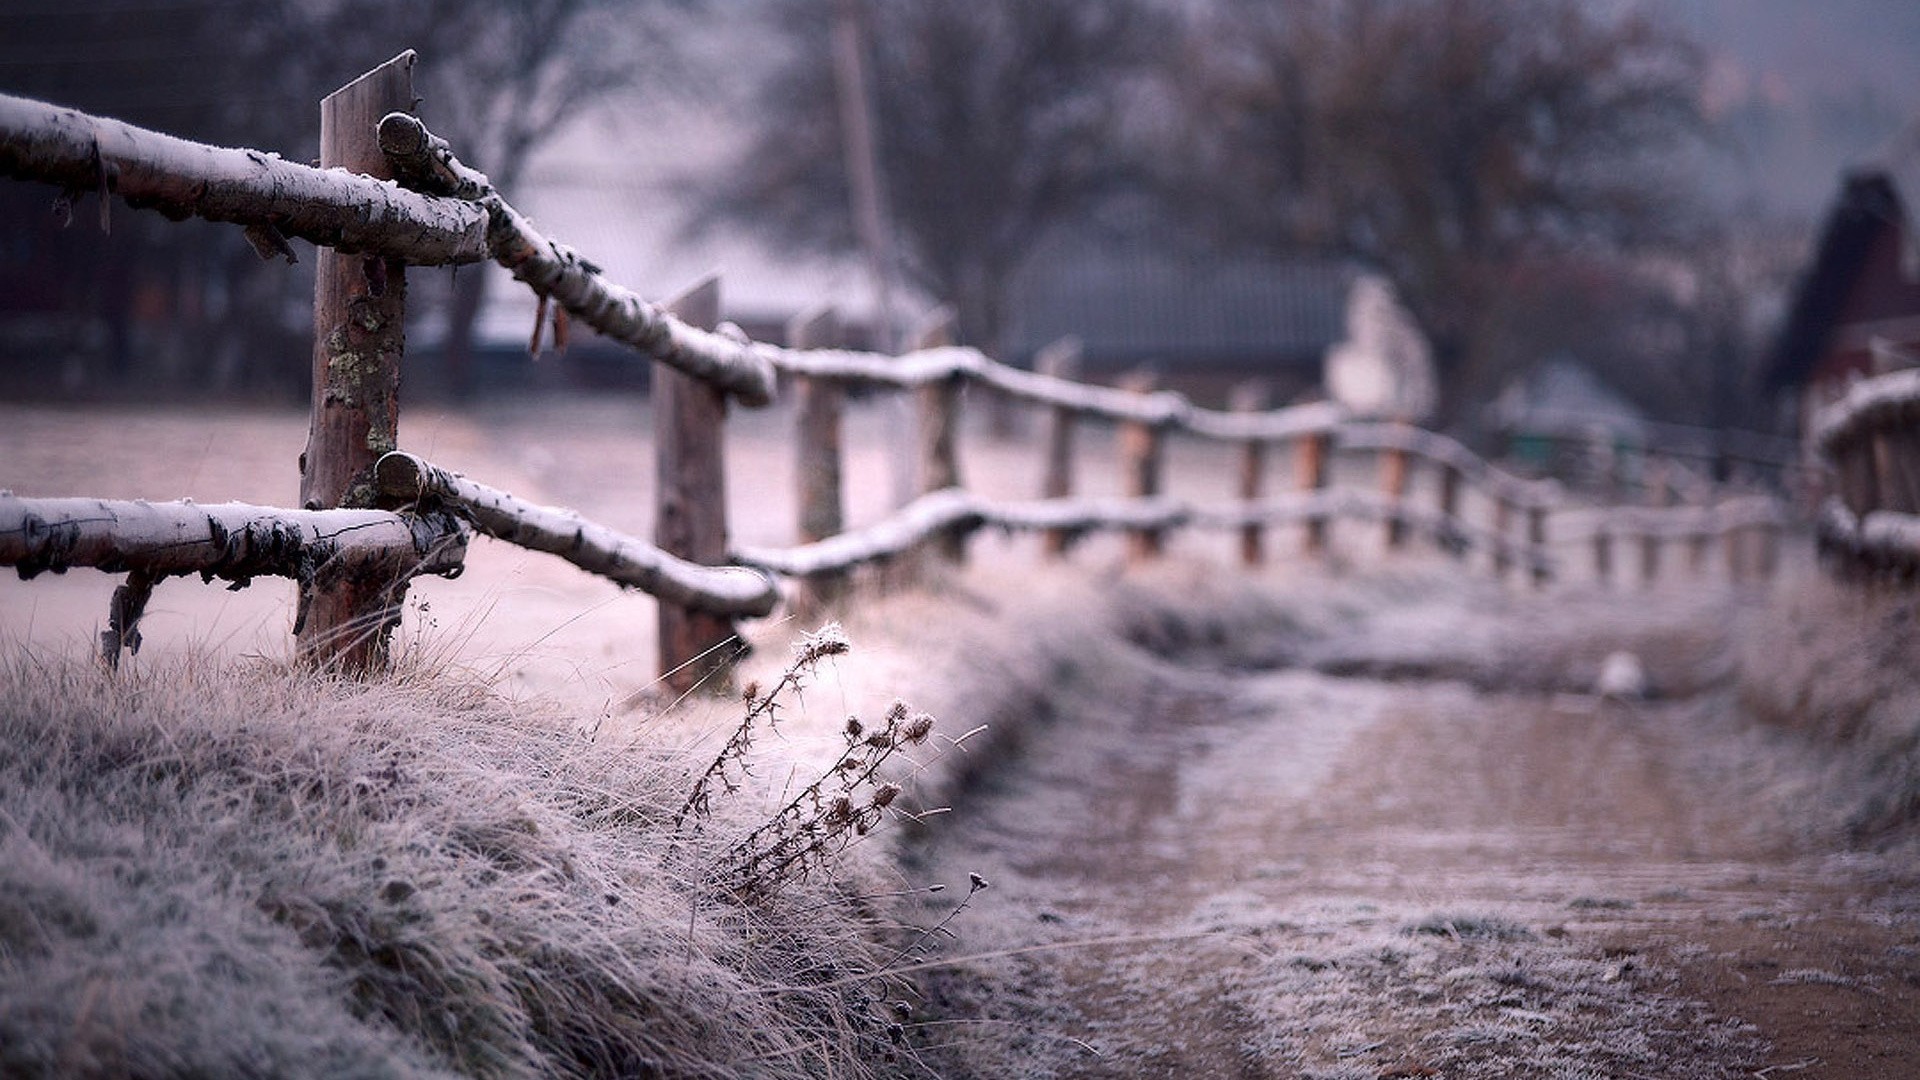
[1502,536]
[1060,360]
[1660,493]
[359,334]
[1451,535]
[938,404]
[1310,468]
[1603,551]
[1537,544]
[818,407]
[690,499]
[1393,485]
[1140,465]
[1252,396]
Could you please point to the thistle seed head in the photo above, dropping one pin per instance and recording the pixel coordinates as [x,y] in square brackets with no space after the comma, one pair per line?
[885,794]
[917,729]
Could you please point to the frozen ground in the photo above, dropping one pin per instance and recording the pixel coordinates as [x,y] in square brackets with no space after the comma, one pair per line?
[1351,825]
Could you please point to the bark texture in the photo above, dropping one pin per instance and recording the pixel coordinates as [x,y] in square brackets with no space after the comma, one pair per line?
[274,198]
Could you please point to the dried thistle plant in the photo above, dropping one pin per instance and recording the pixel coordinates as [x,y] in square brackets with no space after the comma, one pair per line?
[843,804]
[729,767]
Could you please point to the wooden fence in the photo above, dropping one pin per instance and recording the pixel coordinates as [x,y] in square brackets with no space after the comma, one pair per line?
[389,194]
[1872,436]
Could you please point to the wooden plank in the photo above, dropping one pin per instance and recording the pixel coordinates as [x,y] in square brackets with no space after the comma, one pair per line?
[1141,467]
[689,431]
[819,406]
[359,321]
[1251,397]
[1059,360]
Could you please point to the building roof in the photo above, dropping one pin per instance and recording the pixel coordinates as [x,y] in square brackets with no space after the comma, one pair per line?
[1138,306]
[1879,193]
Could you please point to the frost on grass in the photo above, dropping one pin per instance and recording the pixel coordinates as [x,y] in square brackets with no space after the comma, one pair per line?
[211,871]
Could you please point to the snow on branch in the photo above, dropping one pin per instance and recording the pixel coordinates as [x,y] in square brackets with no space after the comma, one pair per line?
[235,542]
[592,547]
[424,161]
[272,197]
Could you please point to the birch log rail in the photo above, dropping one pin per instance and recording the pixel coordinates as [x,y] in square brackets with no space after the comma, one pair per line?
[272,197]
[594,548]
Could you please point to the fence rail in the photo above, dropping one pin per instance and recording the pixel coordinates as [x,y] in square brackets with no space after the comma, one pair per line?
[410,517]
[1872,436]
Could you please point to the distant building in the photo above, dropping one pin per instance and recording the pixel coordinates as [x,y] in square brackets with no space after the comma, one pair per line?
[1204,325]
[1856,309]
[1562,419]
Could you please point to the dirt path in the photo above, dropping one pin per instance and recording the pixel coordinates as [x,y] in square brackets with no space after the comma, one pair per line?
[1345,876]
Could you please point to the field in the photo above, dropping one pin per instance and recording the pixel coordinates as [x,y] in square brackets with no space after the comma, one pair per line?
[1355,820]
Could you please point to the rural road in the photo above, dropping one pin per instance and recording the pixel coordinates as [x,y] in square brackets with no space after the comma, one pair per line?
[1412,847]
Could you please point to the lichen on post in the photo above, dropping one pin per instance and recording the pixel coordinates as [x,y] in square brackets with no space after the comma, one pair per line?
[359,321]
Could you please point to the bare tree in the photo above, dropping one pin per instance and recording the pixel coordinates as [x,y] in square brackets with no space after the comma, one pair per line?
[1446,142]
[997,121]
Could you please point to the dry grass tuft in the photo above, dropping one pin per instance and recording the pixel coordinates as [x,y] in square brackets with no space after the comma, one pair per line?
[211,870]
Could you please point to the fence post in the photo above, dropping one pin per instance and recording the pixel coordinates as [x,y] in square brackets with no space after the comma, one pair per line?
[818,408]
[1140,463]
[1310,466]
[1502,530]
[690,498]
[938,404]
[1537,544]
[1603,552]
[1060,360]
[359,334]
[1660,493]
[1252,396]
[1452,537]
[1393,484]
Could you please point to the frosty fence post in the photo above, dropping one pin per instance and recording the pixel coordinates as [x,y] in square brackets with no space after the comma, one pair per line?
[1502,532]
[359,333]
[1452,536]
[1660,492]
[938,405]
[1393,485]
[1060,360]
[1252,396]
[1537,544]
[819,406]
[1603,551]
[1140,467]
[1310,465]
[690,507]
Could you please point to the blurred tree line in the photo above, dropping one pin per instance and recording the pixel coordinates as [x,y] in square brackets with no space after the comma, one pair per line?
[188,308]
[1513,166]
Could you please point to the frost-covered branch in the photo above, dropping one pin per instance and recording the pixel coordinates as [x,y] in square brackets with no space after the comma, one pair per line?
[274,198]
[232,541]
[740,367]
[594,548]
